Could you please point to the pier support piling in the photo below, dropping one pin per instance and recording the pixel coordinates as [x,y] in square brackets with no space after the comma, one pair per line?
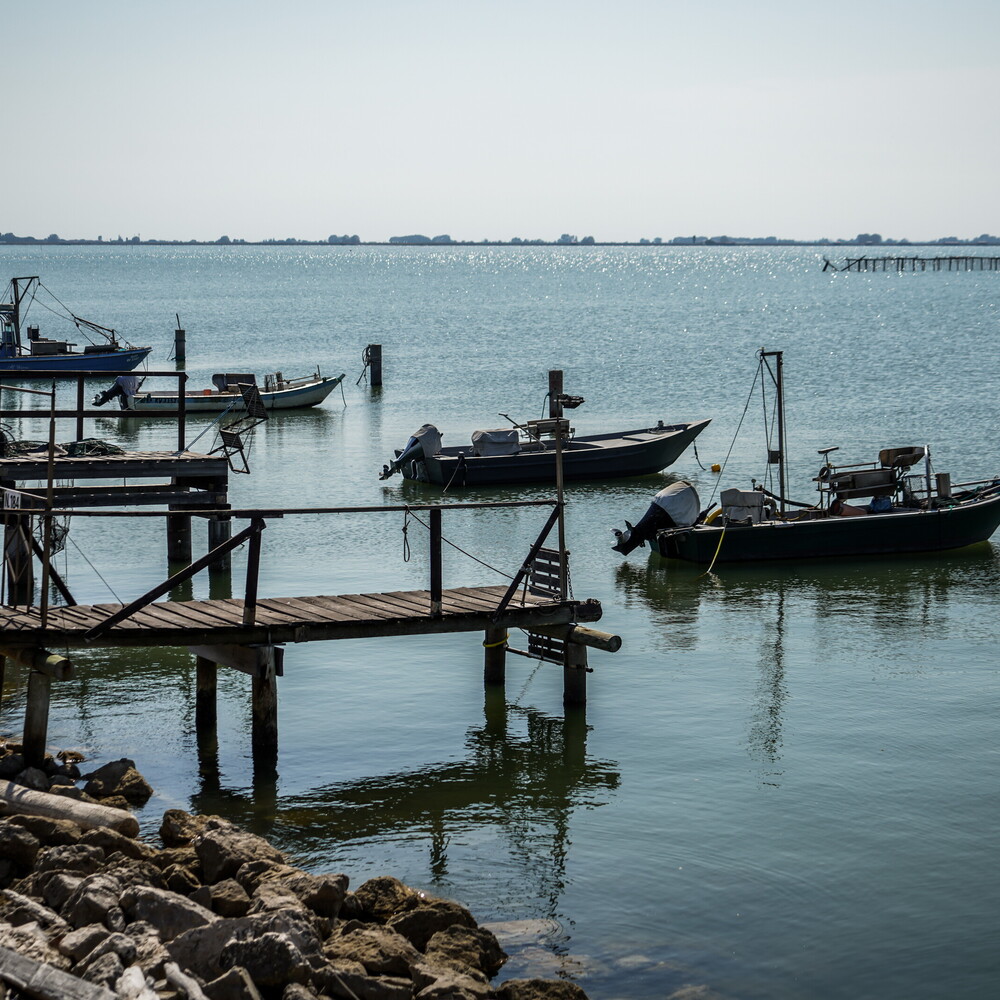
[575,674]
[495,657]
[36,717]
[265,704]
[220,530]
[206,703]
[179,538]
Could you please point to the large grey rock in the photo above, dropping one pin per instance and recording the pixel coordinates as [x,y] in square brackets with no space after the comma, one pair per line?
[58,887]
[420,924]
[272,959]
[178,828]
[51,832]
[18,910]
[198,950]
[234,984]
[83,859]
[34,778]
[296,991]
[111,841]
[118,778]
[343,981]
[169,912]
[92,901]
[223,849]
[380,950]
[105,971]
[180,878]
[380,898]
[11,765]
[150,953]
[114,944]
[81,942]
[539,989]
[472,951]
[452,985]
[324,894]
[226,898]
[18,844]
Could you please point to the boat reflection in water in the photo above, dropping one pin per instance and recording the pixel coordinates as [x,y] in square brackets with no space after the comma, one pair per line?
[803,620]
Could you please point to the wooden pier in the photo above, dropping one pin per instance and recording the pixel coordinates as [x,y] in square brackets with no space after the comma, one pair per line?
[951,262]
[248,634]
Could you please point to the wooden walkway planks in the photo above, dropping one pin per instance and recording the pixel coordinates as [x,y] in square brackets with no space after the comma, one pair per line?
[290,619]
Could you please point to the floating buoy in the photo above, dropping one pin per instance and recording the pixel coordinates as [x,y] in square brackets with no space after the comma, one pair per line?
[716,467]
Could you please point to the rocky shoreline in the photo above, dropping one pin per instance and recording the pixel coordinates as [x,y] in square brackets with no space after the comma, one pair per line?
[88,911]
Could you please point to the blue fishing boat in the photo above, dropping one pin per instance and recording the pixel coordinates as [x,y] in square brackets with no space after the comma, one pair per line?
[28,355]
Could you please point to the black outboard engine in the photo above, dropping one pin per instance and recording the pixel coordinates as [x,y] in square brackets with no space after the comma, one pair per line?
[423,442]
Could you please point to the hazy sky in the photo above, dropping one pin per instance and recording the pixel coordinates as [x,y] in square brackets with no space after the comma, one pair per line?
[620,119]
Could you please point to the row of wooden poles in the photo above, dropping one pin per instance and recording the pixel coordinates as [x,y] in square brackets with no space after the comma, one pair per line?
[973,262]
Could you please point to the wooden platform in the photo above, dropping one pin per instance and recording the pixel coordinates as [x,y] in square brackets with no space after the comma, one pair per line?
[290,619]
[193,479]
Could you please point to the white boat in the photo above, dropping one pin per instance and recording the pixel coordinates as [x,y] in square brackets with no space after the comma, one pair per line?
[277,393]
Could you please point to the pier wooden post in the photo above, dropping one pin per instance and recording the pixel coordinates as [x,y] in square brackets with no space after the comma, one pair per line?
[374,355]
[36,717]
[220,529]
[265,704]
[436,579]
[205,703]
[180,345]
[495,657]
[575,674]
[179,538]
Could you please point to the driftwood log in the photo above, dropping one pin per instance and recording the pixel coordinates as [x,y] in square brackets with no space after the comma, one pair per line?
[89,815]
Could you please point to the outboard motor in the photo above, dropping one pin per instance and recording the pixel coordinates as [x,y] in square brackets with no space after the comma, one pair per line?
[423,442]
[675,506]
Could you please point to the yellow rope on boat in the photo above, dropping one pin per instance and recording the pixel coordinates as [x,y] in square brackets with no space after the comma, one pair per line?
[716,556]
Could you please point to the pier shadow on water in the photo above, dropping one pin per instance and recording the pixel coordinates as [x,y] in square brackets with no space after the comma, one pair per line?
[522,776]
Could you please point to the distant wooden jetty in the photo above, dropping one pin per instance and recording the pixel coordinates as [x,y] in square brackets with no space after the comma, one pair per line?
[951,262]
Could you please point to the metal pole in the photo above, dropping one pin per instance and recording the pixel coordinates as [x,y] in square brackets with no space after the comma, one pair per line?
[43,599]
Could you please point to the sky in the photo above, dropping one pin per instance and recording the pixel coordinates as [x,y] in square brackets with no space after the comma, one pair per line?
[478,119]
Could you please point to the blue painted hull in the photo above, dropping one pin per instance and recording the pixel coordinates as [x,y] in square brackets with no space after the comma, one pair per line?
[29,366]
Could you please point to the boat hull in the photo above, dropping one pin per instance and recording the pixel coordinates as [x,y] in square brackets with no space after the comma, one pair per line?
[213,401]
[29,365]
[599,456]
[900,531]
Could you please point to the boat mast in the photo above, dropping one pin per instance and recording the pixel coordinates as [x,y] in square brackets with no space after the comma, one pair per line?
[778,377]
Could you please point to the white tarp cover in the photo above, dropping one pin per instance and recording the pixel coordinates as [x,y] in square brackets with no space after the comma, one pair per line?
[501,441]
[429,437]
[680,501]
[741,504]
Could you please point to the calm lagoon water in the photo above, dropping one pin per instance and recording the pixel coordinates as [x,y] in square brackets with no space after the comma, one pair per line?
[786,782]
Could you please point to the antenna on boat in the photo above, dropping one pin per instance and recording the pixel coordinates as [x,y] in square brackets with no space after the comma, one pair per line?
[777,377]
